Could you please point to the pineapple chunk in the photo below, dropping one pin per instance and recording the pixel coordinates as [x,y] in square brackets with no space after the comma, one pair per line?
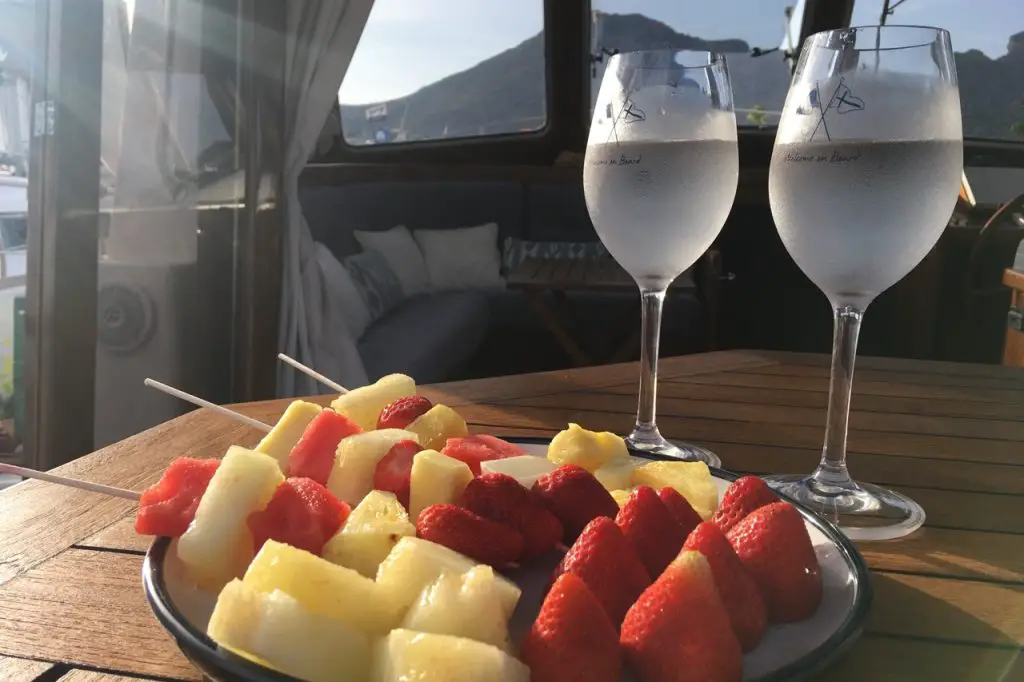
[414,563]
[363,405]
[354,465]
[218,545]
[436,479]
[405,655]
[620,496]
[277,631]
[322,587]
[437,425]
[369,534]
[526,468]
[692,480]
[466,605]
[588,449]
[286,433]
[616,475]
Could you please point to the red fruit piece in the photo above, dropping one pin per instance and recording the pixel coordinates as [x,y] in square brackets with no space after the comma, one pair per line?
[500,498]
[651,528]
[572,639]
[394,471]
[608,564]
[483,540]
[169,506]
[481,448]
[573,495]
[302,513]
[402,412]
[681,508]
[678,630]
[773,544]
[743,496]
[313,456]
[739,593]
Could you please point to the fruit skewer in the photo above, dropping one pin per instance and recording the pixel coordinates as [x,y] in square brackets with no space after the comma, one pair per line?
[196,400]
[312,373]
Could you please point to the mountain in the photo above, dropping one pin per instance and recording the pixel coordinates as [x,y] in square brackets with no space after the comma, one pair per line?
[505,93]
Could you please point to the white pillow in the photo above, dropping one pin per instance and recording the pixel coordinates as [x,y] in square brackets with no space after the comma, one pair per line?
[342,291]
[464,258]
[400,251]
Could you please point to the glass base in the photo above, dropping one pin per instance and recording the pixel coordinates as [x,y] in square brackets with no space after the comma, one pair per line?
[650,440]
[861,510]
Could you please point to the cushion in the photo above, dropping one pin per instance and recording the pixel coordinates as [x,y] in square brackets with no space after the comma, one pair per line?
[376,282]
[515,251]
[428,337]
[463,258]
[402,254]
[338,280]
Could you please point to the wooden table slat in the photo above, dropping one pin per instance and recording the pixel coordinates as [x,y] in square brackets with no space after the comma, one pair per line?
[21,669]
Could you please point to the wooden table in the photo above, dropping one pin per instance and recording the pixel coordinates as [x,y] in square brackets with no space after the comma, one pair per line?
[949,601]
[1013,350]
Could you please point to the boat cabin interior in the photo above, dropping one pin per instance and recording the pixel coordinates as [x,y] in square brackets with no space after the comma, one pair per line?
[381,186]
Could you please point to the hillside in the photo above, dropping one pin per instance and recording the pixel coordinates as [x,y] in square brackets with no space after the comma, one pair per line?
[505,93]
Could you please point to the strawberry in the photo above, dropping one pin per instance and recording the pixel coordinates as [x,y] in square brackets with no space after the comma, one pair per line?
[572,639]
[608,564]
[573,495]
[651,528]
[737,589]
[402,412]
[681,508]
[478,538]
[743,496]
[773,544]
[678,630]
[499,497]
[394,471]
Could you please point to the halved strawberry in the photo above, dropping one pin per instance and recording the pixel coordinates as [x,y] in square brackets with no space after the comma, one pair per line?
[651,528]
[478,538]
[743,496]
[394,471]
[573,495]
[681,508]
[402,412]
[499,497]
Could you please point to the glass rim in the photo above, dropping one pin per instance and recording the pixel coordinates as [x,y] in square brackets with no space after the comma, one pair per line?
[713,58]
[944,33]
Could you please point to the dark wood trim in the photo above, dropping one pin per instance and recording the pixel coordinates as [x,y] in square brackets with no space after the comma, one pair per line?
[63,231]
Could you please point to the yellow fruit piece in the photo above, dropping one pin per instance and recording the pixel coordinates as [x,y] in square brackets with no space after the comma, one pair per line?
[275,630]
[692,480]
[363,405]
[414,563]
[588,449]
[405,655]
[286,433]
[351,478]
[218,545]
[466,605]
[616,475]
[437,425]
[369,533]
[620,496]
[322,587]
[436,479]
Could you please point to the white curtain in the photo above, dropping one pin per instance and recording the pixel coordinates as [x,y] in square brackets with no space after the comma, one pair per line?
[322,36]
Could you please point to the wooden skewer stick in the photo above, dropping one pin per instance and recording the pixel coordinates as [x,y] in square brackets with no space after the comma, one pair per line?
[310,372]
[195,400]
[70,482]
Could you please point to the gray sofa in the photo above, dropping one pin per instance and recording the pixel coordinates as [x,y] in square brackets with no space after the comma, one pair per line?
[449,335]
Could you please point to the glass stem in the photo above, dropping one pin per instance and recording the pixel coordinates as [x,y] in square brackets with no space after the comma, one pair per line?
[832,469]
[650,333]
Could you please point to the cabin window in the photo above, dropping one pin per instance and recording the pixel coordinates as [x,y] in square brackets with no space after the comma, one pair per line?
[445,69]
[988,42]
[755,35]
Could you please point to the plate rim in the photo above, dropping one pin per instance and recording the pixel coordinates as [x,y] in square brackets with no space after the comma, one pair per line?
[200,645]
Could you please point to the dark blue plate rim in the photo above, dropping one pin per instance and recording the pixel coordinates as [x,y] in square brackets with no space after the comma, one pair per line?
[205,653]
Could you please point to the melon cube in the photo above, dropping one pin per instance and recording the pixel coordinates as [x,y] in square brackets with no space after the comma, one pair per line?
[616,475]
[288,430]
[435,426]
[525,468]
[363,405]
[405,655]
[323,587]
[369,534]
[356,461]
[277,631]
[218,545]
[588,449]
[436,479]
[466,605]
[692,480]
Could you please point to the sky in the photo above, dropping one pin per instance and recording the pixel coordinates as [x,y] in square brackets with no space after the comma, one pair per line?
[411,43]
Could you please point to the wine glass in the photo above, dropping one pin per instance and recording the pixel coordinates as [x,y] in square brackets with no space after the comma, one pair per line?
[864,177]
[660,177]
